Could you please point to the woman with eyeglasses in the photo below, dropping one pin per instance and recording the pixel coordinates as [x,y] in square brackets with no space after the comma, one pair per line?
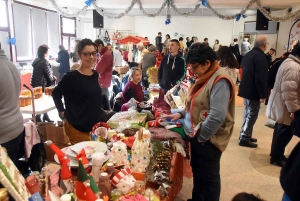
[82,95]
[207,120]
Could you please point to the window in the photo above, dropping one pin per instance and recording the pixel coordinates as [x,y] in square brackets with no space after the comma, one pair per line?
[4,29]
[68,32]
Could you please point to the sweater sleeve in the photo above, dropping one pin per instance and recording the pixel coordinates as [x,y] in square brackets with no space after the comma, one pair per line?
[181,72]
[130,94]
[59,91]
[261,75]
[102,65]
[219,100]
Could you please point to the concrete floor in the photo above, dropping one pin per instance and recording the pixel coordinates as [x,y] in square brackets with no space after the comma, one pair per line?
[243,169]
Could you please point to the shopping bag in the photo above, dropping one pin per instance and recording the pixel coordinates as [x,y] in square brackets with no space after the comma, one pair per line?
[270,123]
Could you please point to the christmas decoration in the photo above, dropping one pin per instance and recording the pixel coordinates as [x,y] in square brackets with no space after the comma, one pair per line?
[141,151]
[124,181]
[53,197]
[90,195]
[97,161]
[119,155]
[94,186]
[83,157]
[81,179]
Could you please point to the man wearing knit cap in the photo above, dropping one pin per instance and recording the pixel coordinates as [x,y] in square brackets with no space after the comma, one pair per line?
[172,69]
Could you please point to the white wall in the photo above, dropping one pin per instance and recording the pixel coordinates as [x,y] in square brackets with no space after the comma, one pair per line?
[125,23]
[210,27]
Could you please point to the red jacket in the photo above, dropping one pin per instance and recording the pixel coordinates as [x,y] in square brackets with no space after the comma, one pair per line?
[104,67]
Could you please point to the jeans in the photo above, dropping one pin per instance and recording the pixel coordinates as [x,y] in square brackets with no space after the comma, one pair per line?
[14,147]
[205,162]
[251,110]
[282,135]
[286,197]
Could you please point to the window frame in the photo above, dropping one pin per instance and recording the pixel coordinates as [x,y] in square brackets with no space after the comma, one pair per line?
[62,34]
[7,29]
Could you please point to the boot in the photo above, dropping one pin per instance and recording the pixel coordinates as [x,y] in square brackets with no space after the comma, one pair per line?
[46,118]
[38,118]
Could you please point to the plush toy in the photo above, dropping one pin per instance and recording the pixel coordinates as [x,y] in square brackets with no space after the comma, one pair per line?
[124,181]
[98,159]
[83,157]
[82,178]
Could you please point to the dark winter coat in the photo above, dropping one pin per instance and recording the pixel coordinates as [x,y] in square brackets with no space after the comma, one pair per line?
[42,74]
[254,75]
[63,59]
[158,43]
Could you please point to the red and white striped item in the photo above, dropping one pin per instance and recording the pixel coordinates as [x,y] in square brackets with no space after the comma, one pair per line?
[120,175]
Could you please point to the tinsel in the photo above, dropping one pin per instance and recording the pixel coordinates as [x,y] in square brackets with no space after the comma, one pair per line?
[170,4]
[61,12]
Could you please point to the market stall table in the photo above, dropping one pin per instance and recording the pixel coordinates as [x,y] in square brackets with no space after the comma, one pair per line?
[42,105]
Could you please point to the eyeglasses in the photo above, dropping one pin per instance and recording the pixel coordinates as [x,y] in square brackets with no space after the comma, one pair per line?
[89,54]
[195,66]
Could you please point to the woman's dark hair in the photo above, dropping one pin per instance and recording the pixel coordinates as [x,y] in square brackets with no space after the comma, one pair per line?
[246,197]
[168,36]
[296,50]
[99,42]
[226,58]
[42,50]
[85,42]
[217,41]
[180,39]
[235,40]
[199,53]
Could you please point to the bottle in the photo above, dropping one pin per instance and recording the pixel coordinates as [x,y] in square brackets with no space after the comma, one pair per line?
[110,169]
[104,185]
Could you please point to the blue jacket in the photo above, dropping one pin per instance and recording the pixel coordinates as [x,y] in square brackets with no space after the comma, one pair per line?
[63,59]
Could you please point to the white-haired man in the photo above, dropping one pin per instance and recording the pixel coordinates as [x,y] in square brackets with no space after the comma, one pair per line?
[140,54]
[253,88]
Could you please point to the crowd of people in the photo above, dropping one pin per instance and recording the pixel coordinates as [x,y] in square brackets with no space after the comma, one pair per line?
[209,115]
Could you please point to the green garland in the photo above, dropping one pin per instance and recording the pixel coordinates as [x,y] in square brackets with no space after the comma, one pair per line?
[6,173]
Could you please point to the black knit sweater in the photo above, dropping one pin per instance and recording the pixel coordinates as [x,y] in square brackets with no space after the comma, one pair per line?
[82,96]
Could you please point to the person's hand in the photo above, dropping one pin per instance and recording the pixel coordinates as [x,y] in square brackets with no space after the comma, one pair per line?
[54,78]
[262,100]
[292,115]
[65,121]
[173,117]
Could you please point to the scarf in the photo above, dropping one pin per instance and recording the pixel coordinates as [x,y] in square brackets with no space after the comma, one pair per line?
[200,81]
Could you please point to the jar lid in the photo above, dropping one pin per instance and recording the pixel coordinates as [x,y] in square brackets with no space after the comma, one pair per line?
[109,164]
[104,174]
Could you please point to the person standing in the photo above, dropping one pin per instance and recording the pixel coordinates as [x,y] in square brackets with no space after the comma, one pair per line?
[158,42]
[205,41]
[269,55]
[181,45]
[82,95]
[167,44]
[141,51]
[172,69]
[149,60]
[104,67]
[245,47]
[216,45]
[188,42]
[117,57]
[208,120]
[73,54]
[63,59]
[42,75]
[235,49]
[284,100]
[253,88]
[11,119]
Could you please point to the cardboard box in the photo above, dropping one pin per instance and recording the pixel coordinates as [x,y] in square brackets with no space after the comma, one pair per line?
[122,70]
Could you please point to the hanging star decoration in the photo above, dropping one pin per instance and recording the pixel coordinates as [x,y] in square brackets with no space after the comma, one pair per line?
[89,2]
[238,17]
[12,41]
[204,3]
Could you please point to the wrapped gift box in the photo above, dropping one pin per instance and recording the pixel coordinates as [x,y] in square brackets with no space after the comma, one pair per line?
[32,184]
[129,119]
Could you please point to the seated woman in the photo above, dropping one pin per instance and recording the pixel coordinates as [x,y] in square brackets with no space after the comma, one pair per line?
[133,88]
[82,95]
